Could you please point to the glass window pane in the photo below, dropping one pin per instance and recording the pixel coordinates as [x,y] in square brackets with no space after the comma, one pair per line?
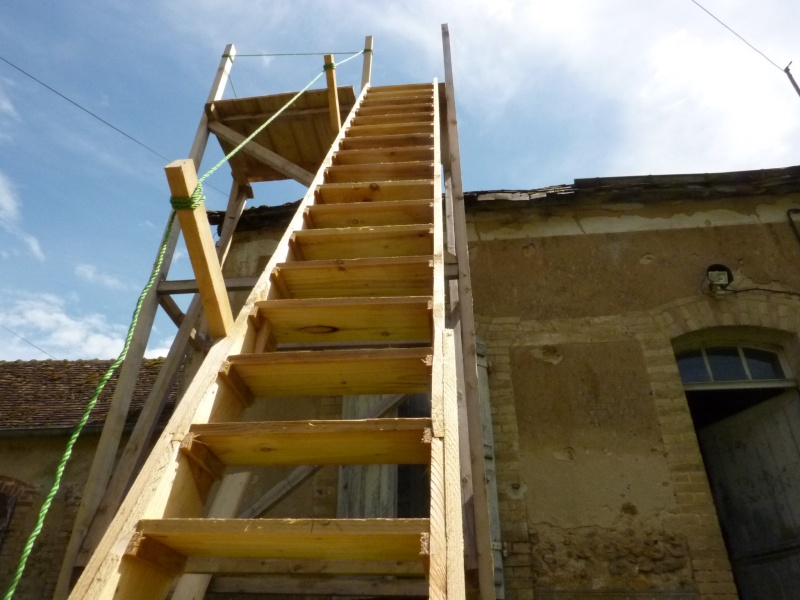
[692,367]
[763,364]
[726,364]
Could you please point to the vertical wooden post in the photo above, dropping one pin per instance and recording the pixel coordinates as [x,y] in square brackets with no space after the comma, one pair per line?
[333,93]
[366,70]
[476,444]
[217,89]
[182,179]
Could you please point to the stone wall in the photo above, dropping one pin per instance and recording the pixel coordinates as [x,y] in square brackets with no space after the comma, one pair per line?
[602,488]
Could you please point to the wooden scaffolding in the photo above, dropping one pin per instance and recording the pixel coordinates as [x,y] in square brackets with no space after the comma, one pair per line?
[367,297]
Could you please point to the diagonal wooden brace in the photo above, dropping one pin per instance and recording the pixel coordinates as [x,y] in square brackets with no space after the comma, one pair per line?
[182,179]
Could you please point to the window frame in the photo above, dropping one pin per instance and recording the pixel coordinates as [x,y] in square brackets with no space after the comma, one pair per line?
[786,382]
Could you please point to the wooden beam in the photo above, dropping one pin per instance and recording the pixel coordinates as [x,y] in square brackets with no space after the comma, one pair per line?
[139,440]
[333,93]
[265,155]
[366,70]
[189,286]
[217,90]
[291,585]
[219,566]
[482,527]
[182,180]
[173,311]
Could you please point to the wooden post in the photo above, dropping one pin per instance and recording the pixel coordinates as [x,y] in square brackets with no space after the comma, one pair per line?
[217,89]
[333,93]
[366,70]
[182,179]
[482,525]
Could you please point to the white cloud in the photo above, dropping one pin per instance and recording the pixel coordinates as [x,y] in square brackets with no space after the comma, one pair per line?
[11,218]
[92,275]
[47,322]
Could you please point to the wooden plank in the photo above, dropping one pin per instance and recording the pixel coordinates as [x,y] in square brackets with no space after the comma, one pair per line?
[365,242]
[402,276]
[333,94]
[335,372]
[482,527]
[387,141]
[384,191]
[289,585]
[182,180]
[268,157]
[393,109]
[384,155]
[362,173]
[301,474]
[390,118]
[370,214]
[341,442]
[401,87]
[366,69]
[391,129]
[332,320]
[189,286]
[217,90]
[326,539]
[219,566]
[437,568]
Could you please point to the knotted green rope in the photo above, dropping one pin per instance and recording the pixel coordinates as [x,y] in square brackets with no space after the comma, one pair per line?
[195,200]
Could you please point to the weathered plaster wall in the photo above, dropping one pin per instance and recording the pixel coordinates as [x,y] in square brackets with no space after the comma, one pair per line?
[27,471]
[601,485]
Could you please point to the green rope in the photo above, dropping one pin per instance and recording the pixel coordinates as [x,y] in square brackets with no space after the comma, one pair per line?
[85,418]
[195,200]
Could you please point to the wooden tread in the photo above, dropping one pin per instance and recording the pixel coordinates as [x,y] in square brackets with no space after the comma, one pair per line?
[362,442]
[342,320]
[384,191]
[393,109]
[389,118]
[401,276]
[369,214]
[394,171]
[363,242]
[383,155]
[368,142]
[333,372]
[390,129]
[337,539]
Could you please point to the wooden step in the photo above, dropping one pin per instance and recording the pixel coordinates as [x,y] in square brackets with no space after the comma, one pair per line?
[404,568]
[383,155]
[385,119]
[378,172]
[371,142]
[291,585]
[358,277]
[311,442]
[369,214]
[384,191]
[337,539]
[362,242]
[347,320]
[400,87]
[394,109]
[389,129]
[399,97]
[333,372]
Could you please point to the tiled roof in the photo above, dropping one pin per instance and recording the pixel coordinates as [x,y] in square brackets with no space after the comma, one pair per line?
[51,395]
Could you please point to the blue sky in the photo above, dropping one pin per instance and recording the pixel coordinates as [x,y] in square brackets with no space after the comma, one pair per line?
[547,92]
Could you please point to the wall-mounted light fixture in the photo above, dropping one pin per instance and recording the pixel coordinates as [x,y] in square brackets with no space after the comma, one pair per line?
[719,277]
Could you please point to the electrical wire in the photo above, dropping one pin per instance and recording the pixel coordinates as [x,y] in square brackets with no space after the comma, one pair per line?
[736,34]
[297,54]
[86,110]
[28,342]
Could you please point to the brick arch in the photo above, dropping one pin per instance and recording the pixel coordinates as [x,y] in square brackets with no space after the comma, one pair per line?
[755,310]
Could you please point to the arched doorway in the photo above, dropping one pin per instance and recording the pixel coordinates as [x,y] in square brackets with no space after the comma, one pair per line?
[746,412]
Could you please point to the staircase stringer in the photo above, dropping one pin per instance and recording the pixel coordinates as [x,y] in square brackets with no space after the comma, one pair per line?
[164,483]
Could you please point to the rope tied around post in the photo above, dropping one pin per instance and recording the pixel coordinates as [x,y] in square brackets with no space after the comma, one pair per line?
[191,202]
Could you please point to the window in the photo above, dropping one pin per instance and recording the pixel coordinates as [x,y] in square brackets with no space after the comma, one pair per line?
[714,365]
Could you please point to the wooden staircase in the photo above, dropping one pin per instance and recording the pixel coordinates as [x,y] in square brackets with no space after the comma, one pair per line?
[352,303]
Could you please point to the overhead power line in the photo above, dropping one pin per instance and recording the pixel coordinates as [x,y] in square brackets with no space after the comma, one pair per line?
[28,342]
[86,110]
[709,13]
